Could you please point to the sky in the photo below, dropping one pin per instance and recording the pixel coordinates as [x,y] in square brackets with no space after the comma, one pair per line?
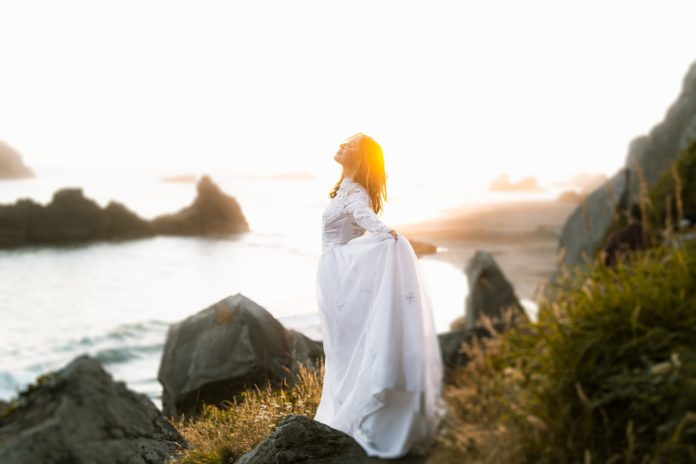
[453,91]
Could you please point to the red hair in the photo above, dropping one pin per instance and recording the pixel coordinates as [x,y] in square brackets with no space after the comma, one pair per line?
[370,171]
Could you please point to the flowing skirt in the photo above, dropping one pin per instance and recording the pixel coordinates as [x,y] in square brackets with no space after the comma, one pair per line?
[383,367]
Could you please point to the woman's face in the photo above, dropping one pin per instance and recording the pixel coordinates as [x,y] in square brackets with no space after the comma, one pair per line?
[348,152]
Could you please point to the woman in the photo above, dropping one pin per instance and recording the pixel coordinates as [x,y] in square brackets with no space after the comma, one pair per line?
[383,368]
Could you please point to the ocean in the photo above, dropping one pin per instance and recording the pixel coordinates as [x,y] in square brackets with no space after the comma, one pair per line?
[115,300]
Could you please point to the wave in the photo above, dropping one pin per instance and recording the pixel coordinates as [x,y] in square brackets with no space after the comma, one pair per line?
[125,354]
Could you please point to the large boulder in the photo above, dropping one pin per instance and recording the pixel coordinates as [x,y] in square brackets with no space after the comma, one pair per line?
[298,439]
[490,293]
[224,349]
[212,212]
[11,164]
[303,351]
[80,415]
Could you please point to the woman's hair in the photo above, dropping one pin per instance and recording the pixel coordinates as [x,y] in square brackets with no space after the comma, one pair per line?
[370,171]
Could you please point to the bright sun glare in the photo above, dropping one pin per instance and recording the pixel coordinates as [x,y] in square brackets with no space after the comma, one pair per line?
[454,92]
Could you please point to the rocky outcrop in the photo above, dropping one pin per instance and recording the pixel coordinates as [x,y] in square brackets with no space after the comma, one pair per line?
[70,217]
[490,293]
[648,157]
[224,349]
[502,183]
[652,153]
[298,439]
[80,415]
[212,212]
[585,229]
[570,196]
[11,164]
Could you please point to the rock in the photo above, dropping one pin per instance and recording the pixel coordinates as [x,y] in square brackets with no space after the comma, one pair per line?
[450,343]
[80,415]
[68,218]
[458,324]
[122,223]
[570,196]
[586,182]
[586,228]
[653,153]
[502,183]
[11,164]
[298,439]
[181,178]
[224,349]
[303,350]
[212,212]
[72,218]
[490,293]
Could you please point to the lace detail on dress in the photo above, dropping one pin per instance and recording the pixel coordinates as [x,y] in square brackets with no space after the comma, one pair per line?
[348,215]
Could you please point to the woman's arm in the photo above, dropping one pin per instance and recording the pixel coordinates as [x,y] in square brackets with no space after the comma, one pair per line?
[359,206]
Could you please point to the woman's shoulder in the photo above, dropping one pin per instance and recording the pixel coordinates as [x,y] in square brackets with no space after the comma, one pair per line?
[355,189]
[357,194]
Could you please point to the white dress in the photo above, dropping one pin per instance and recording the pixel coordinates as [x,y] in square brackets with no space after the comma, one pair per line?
[383,367]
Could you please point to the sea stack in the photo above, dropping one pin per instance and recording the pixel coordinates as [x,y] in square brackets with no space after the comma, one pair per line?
[11,164]
[212,212]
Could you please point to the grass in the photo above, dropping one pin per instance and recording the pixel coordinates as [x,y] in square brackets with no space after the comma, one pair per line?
[607,373]
[478,398]
[665,203]
[674,192]
[222,435]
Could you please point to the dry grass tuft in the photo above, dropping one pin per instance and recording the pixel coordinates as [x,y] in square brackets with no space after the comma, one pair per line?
[223,435]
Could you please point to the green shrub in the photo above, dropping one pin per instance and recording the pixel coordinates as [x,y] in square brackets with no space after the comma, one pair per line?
[674,192]
[672,196]
[606,374]
[615,358]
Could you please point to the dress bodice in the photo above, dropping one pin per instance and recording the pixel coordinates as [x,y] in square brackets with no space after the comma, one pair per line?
[348,215]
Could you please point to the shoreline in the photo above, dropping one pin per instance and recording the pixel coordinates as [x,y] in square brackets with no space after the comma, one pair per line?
[522,236]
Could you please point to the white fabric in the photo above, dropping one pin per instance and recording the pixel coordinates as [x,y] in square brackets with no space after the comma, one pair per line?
[383,367]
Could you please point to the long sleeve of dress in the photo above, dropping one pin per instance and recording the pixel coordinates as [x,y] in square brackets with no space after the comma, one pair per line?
[359,205]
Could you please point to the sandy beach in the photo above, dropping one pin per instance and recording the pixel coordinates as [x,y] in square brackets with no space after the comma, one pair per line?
[522,236]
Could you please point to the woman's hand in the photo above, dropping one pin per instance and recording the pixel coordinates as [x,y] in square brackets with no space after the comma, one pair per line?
[393,233]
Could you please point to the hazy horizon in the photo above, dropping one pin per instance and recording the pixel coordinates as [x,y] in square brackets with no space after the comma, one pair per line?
[452,92]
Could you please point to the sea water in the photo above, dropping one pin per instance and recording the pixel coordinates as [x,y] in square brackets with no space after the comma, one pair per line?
[115,300]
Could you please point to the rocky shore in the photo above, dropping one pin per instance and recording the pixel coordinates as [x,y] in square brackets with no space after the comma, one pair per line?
[72,218]
[80,415]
